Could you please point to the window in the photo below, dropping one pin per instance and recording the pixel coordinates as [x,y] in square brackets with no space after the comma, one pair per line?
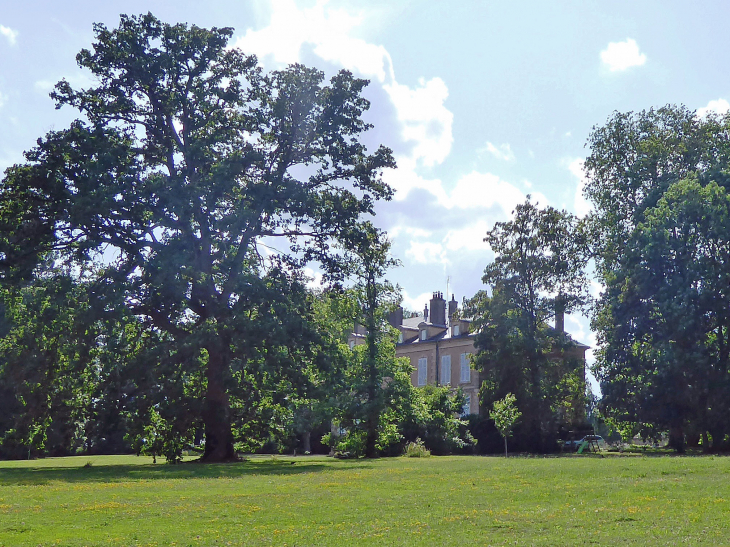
[446,370]
[424,334]
[352,344]
[400,338]
[466,409]
[422,371]
[465,368]
[456,330]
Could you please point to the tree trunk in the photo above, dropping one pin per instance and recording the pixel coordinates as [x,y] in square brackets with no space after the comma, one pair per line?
[505,447]
[373,412]
[676,438]
[216,410]
[307,442]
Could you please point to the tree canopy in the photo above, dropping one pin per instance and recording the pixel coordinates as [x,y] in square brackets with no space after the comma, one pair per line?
[539,263]
[658,180]
[170,191]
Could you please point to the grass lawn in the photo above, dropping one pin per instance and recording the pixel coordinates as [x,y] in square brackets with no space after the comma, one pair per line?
[125,500]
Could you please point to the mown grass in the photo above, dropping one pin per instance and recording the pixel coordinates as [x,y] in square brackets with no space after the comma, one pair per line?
[124,500]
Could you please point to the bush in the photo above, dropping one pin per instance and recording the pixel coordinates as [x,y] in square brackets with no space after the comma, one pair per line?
[417,450]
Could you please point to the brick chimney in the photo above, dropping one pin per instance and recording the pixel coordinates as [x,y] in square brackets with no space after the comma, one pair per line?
[395,318]
[453,307]
[438,309]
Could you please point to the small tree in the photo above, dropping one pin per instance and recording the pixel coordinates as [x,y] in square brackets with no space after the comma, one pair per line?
[505,416]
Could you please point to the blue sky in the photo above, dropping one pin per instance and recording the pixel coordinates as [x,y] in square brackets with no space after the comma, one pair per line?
[482,102]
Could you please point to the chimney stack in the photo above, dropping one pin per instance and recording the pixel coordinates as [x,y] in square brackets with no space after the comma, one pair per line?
[438,309]
[453,307]
[425,313]
[395,318]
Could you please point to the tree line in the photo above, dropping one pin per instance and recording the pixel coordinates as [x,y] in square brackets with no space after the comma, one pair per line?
[657,241]
[154,296]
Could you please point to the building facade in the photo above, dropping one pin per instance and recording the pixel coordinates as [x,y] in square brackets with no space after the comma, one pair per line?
[439,345]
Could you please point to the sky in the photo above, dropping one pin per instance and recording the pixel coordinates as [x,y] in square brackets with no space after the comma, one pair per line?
[482,102]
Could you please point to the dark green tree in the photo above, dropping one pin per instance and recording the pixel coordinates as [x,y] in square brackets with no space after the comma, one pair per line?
[187,163]
[540,256]
[375,378]
[658,180]
[47,350]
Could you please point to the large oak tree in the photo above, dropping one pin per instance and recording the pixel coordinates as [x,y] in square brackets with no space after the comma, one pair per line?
[188,162]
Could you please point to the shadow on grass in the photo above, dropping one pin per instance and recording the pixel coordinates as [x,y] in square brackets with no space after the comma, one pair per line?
[22,476]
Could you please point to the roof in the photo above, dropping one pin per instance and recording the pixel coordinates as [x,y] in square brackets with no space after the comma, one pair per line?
[445,332]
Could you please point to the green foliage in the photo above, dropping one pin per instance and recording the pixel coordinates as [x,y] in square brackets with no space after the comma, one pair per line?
[658,180]
[505,415]
[355,405]
[187,158]
[433,414]
[538,269]
[416,449]
[46,354]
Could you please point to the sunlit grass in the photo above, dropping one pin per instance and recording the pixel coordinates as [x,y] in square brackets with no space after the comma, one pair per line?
[124,500]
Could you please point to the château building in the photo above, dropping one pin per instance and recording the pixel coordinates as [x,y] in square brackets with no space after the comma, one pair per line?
[440,344]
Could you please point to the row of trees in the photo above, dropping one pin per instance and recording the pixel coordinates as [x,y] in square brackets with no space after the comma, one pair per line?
[658,239]
[152,263]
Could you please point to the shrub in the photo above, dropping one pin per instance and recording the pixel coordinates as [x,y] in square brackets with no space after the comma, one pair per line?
[417,450]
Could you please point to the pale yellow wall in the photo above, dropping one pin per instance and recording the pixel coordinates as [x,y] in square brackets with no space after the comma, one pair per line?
[453,347]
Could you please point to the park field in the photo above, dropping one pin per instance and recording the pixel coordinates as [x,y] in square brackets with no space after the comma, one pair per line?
[317,501]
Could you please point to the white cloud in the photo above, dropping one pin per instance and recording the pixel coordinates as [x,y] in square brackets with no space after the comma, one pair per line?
[314,279]
[405,178]
[425,122]
[581,205]
[470,238]
[412,232]
[485,190]
[45,86]
[10,34]
[426,252]
[502,152]
[416,303]
[327,29]
[619,56]
[718,106]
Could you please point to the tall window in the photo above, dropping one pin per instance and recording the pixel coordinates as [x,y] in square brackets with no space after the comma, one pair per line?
[456,330]
[424,334]
[466,409]
[446,370]
[422,371]
[465,368]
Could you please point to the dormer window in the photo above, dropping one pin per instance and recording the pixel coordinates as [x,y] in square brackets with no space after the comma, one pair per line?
[424,334]
[456,330]
[400,338]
